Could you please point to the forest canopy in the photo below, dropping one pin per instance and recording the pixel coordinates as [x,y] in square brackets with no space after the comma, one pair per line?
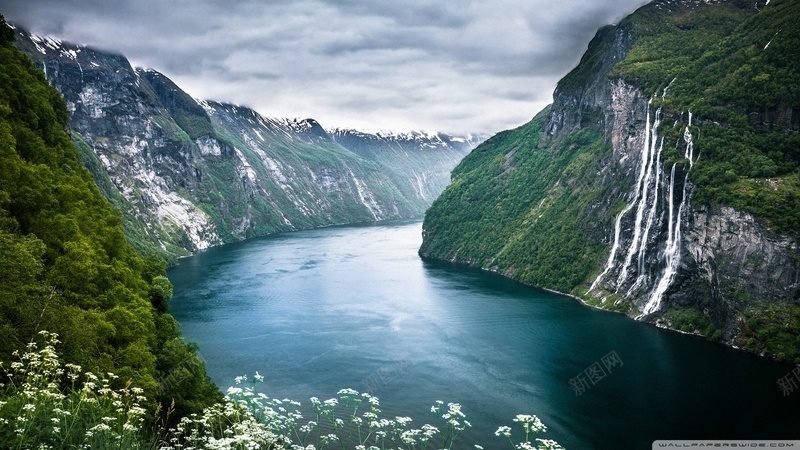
[65,262]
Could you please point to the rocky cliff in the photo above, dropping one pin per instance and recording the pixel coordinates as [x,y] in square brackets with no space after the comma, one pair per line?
[657,184]
[190,174]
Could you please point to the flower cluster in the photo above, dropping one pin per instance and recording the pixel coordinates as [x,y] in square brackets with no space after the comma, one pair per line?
[35,411]
[47,404]
[532,426]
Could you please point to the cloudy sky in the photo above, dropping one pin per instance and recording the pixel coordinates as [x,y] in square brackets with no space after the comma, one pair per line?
[458,66]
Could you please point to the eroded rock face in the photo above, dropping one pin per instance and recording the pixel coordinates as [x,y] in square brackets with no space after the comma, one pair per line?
[585,97]
[735,261]
[190,174]
[116,113]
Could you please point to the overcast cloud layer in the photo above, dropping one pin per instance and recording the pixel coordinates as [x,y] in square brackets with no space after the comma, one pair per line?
[457,66]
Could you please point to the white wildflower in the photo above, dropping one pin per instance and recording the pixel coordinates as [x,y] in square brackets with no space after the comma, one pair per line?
[549,444]
[503,431]
[234,391]
[530,423]
[402,421]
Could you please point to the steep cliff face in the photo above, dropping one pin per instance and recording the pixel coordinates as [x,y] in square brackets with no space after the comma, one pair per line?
[120,119]
[635,193]
[189,174]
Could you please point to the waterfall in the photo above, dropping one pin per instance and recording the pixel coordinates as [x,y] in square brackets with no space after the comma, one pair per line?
[618,222]
[672,254]
[664,92]
[643,194]
[614,248]
[648,220]
[687,137]
[651,217]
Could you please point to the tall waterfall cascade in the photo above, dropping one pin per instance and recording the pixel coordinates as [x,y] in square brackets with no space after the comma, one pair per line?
[646,250]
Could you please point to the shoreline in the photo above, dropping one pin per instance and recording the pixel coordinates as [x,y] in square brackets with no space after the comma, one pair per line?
[657,324]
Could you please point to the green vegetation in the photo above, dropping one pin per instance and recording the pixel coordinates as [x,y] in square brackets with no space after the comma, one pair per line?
[691,320]
[89,412]
[67,266]
[306,202]
[121,376]
[519,208]
[773,330]
[537,207]
[188,116]
[738,71]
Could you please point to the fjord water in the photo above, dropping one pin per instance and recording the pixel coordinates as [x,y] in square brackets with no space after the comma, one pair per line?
[355,307]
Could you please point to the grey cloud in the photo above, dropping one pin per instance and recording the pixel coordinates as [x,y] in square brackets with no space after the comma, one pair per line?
[419,13]
[451,65]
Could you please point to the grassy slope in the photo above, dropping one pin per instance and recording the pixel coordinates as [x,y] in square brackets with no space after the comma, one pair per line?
[515,207]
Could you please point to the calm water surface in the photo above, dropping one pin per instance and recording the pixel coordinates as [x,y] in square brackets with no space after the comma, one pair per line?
[317,311]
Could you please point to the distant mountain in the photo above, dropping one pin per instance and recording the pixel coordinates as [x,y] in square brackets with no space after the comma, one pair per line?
[663,182]
[385,147]
[188,174]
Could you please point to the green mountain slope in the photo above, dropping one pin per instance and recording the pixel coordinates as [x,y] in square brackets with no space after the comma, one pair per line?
[512,207]
[661,183]
[65,262]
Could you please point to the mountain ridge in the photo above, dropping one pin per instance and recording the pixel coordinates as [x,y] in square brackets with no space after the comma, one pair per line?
[188,174]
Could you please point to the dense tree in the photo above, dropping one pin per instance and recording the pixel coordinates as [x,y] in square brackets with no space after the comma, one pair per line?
[65,263]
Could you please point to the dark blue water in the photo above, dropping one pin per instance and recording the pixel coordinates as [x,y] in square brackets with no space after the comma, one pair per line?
[355,307]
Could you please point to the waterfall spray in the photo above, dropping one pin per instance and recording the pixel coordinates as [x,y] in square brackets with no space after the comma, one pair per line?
[643,194]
